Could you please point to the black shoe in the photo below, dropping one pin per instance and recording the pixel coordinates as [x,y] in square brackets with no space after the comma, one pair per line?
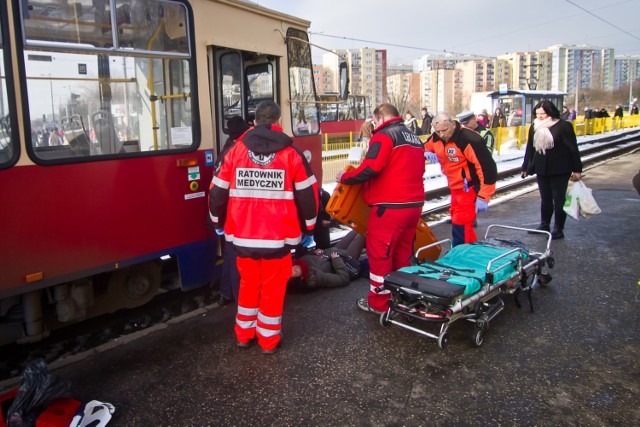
[223,302]
[557,234]
[244,345]
[274,350]
[542,227]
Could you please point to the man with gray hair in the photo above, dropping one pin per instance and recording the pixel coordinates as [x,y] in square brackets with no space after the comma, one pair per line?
[470,170]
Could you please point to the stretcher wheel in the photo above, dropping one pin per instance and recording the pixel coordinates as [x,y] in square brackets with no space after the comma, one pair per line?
[478,336]
[544,279]
[443,339]
[383,319]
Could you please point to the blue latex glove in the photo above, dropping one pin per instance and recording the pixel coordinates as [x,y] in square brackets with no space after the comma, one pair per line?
[481,205]
[431,157]
[307,241]
[220,231]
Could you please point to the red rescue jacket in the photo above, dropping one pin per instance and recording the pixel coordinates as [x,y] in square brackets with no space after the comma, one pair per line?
[393,167]
[264,194]
[465,156]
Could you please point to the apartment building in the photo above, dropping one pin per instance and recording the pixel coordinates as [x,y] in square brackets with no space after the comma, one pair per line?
[484,75]
[404,91]
[324,79]
[367,71]
[529,70]
[584,66]
[626,69]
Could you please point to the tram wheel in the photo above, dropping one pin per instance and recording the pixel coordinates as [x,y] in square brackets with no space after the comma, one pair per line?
[135,285]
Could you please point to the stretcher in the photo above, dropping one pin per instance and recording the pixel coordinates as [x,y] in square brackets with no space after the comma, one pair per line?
[467,283]
[347,206]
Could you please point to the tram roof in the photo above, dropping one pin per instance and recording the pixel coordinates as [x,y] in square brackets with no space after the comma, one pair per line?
[525,93]
[252,6]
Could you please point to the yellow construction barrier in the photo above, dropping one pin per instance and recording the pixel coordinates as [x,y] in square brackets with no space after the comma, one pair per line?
[506,137]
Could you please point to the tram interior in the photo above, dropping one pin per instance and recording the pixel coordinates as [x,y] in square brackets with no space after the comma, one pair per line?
[91,93]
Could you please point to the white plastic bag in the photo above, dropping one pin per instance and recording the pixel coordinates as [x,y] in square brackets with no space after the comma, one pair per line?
[588,205]
[571,206]
[580,201]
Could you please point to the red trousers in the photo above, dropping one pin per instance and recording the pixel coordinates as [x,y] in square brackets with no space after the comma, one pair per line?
[263,283]
[463,213]
[390,236]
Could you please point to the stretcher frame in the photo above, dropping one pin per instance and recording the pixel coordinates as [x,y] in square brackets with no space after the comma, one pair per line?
[475,307]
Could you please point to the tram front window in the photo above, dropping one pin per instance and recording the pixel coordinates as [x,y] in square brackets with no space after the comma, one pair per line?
[304,110]
[87,99]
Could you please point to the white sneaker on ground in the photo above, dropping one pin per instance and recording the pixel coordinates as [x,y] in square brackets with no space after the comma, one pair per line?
[363,304]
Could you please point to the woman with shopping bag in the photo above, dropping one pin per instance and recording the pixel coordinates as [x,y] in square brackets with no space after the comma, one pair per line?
[552,155]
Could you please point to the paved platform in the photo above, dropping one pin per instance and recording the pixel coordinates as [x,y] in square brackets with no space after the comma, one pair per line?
[574,361]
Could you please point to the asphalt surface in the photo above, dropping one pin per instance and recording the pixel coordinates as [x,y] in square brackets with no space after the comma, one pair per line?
[573,361]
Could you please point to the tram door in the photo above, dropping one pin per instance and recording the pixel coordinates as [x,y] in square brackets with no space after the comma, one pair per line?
[242,80]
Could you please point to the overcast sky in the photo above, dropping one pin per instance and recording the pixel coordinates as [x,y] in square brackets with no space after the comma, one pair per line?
[482,27]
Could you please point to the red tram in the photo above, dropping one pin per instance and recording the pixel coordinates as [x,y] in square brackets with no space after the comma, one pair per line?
[111,114]
[343,116]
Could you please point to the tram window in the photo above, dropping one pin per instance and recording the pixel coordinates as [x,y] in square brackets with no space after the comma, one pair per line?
[85,103]
[7,150]
[142,25]
[304,110]
[329,112]
[230,72]
[260,85]
[155,26]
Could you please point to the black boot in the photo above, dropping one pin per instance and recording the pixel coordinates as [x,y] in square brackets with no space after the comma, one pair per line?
[557,234]
[544,226]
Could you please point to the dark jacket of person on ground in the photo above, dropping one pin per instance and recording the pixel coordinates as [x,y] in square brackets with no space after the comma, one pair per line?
[328,268]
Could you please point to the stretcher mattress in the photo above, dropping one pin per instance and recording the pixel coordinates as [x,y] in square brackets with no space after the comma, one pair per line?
[464,266]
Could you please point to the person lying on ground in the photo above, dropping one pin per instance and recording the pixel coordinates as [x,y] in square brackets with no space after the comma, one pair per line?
[333,267]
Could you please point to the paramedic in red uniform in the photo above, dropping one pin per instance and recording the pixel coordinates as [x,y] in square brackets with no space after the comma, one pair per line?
[264,200]
[470,170]
[392,171]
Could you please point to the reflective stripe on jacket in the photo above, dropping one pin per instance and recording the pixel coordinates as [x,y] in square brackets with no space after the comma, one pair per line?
[264,194]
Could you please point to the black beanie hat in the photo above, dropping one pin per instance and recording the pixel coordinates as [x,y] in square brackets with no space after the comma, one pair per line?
[237,126]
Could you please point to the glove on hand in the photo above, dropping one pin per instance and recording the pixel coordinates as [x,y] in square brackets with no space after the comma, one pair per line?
[220,231]
[431,157]
[307,241]
[481,205]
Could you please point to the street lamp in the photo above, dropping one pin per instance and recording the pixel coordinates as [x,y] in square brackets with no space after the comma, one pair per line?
[631,98]
[53,111]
